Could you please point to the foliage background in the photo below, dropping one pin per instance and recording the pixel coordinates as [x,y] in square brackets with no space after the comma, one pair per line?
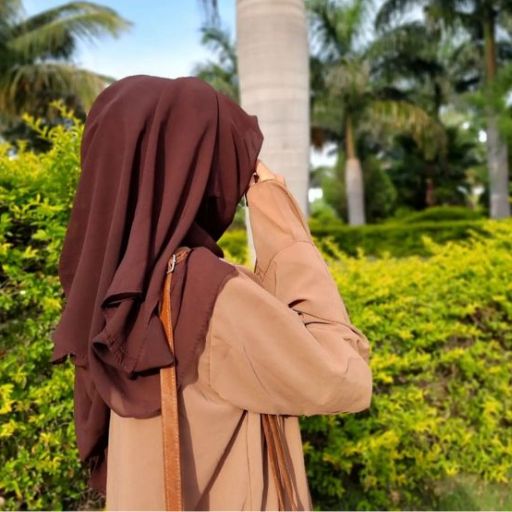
[437,317]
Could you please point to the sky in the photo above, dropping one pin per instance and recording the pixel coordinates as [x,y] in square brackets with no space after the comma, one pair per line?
[164,39]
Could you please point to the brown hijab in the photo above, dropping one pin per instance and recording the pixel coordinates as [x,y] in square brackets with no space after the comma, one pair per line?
[164,163]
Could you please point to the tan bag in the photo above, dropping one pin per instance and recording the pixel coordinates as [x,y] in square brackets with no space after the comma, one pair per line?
[276,443]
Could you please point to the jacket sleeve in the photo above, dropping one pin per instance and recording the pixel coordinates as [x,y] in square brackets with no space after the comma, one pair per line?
[280,340]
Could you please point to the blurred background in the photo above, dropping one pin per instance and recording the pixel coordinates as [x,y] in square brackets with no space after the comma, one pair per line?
[391,121]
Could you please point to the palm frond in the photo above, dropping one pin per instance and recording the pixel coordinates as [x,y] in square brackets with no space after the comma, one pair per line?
[326,18]
[27,87]
[220,73]
[328,111]
[409,51]
[467,67]
[410,37]
[211,11]
[391,11]
[10,10]
[53,33]
[405,117]
[350,82]
[10,13]
[219,41]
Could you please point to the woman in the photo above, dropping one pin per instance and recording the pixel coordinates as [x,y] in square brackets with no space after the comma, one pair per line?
[165,163]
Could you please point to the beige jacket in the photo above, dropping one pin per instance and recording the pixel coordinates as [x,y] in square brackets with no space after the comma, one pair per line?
[279,341]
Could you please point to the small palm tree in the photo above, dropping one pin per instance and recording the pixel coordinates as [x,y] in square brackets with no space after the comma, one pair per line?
[35,55]
[349,97]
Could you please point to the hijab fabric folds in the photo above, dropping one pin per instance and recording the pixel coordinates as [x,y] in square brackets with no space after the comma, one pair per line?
[164,163]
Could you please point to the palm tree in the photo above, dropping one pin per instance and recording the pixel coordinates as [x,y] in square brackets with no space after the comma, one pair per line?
[487,23]
[35,52]
[222,74]
[350,96]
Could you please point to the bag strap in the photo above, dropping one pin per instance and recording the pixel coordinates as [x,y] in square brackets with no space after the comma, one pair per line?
[275,439]
[169,398]
[280,464]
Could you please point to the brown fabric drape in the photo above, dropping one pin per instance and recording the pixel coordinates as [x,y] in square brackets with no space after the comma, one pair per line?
[164,163]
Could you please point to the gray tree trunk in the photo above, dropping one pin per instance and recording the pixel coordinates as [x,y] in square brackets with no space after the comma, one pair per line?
[497,161]
[354,187]
[273,68]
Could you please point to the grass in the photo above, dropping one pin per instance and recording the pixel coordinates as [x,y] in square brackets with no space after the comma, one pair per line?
[467,492]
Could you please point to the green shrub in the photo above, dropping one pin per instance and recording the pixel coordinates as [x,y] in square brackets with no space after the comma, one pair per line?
[441,342]
[323,213]
[234,244]
[397,239]
[442,213]
[438,326]
[39,465]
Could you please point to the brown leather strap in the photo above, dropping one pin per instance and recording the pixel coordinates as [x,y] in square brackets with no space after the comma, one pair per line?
[276,442]
[280,462]
[169,395]
[284,460]
[274,464]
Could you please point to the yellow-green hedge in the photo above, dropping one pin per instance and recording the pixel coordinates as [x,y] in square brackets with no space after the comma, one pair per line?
[395,238]
[438,325]
[440,329]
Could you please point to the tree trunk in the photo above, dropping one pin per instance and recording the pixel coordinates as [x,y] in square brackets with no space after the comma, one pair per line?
[355,192]
[273,68]
[354,185]
[497,160]
[497,150]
